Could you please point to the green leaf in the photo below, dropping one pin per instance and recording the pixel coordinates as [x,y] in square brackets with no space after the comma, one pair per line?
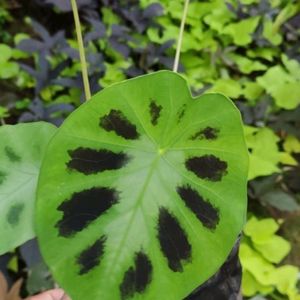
[255,264]
[114,73]
[270,33]
[4,113]
[142,193]
[250,286]
[264,152]
[291,144]
[21,151]
[227,86]
[170,31]
[260,230]
[281,85]
[287,95]
[8,69]
[218,17]
[274,248]
[285,278]
[252,91]
[245,64]
[248,2]
[242,30]
[265,53]
[292,66]
[6,53]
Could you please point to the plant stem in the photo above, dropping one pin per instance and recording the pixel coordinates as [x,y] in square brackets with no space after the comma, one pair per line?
[179,43]
[84,71]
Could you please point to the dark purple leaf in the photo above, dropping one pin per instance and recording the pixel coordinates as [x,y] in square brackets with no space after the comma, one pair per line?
[30,46]
[153,10]
[65,5]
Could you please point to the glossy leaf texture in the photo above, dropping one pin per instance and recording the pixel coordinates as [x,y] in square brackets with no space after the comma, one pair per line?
[22,148]
[142,193]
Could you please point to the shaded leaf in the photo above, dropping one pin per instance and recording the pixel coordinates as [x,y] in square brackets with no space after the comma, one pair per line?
[280,200]
[21,151]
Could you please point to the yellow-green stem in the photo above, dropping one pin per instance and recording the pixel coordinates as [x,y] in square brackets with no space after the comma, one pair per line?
[179,43]
[84,70]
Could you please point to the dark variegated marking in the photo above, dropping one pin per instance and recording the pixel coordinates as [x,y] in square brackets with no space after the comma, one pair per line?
[91,256]
[2,177]
[90,161]
[207,167]
[181,112]
[173,241]
[14,213]
[137,278]
[207,133]
[11,154]
[116,121]
[207,214]
[155,111]
[83,208]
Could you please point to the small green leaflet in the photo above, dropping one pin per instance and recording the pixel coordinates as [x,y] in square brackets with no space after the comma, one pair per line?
[142,192]
[21,151]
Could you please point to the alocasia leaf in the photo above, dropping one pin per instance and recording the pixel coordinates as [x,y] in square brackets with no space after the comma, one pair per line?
[21,151]
[142,193]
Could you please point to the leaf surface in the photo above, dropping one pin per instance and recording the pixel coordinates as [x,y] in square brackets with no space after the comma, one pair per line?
[143,191]
[21,150]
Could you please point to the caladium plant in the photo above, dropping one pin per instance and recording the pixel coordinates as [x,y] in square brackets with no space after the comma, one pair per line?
[142,192]
[22,148]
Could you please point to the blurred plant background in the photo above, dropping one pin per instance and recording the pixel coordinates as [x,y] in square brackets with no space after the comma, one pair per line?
[247,49]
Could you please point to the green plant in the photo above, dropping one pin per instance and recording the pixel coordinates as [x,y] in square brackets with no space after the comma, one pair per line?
[8,69]
[260,252]
[144,169]
[257,66]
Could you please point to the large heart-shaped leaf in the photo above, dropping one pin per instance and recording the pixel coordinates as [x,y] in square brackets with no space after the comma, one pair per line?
[143,191]
[21,151]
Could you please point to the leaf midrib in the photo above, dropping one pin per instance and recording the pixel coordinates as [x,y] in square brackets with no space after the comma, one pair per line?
[114,261]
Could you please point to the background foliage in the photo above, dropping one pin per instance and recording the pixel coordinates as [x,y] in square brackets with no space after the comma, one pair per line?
[246,49]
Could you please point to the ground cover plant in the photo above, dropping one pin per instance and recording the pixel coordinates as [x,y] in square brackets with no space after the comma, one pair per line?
[248,50]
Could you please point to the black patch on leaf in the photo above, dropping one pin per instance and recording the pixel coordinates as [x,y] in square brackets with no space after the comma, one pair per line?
[173,240]
[207,133]
[181,112]
[207,167]
[90,161]
[14,213]
[117,122]
[137,278]
[2,177]
[11,155]
[83,208]
[207,214]
[155,111]
[91,257]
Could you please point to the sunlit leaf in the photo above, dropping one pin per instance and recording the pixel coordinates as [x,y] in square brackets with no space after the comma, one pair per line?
[143,191]
[291,144]
[264,152]
[260,230]
[270,33]
[227,86]
[21,151]
[274,249]
[242,30]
